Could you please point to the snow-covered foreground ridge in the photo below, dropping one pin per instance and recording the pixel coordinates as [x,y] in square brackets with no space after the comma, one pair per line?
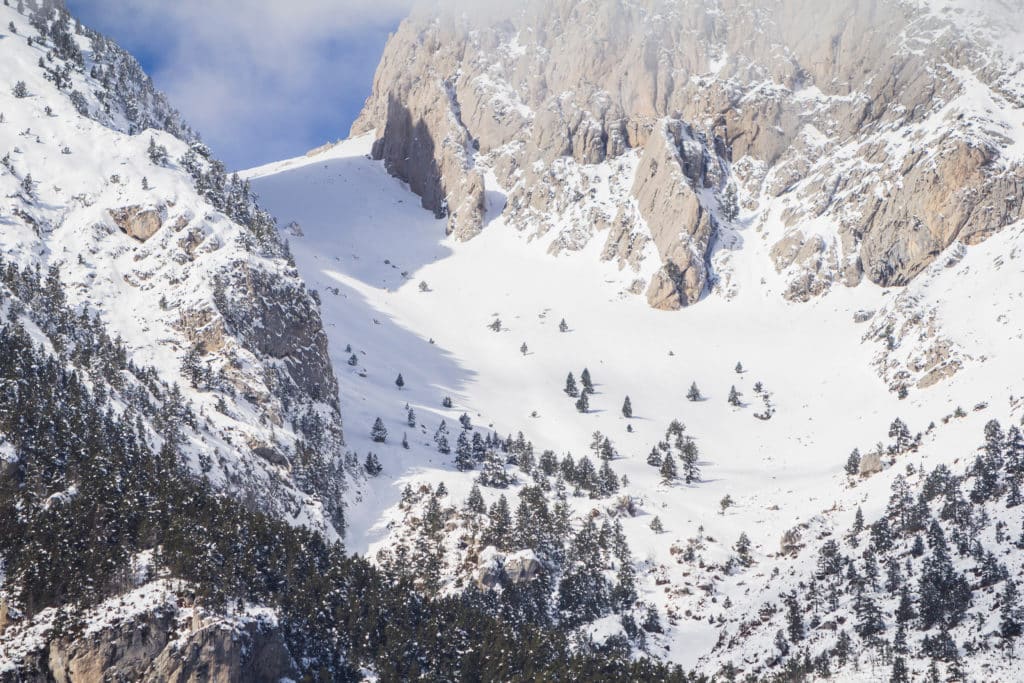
[400,299]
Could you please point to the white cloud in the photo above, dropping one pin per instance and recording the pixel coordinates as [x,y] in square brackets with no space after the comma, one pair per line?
[259,79]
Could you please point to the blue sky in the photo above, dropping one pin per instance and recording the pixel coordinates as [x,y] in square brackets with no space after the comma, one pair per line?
[261,80]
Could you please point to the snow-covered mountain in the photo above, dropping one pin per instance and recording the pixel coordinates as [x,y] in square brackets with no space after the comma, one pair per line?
[603,396]
[107,190]
[529,135]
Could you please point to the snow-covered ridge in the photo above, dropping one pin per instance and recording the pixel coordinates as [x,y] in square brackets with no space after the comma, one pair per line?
[127,220]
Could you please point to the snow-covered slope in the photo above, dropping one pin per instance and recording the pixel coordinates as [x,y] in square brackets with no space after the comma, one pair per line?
[361,240]
[145,229]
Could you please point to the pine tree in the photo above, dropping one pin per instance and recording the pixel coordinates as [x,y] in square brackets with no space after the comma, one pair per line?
[399,381]
[405,441]
[729,204]
[372,465]
[563,326]
[694,393]
[20,90]
[899,671]
[378,433]
[441,439]
[523,349]
[852,466]
[446,402]
[739,368]
[583,402]
[654,458]
[493,473]
[656,525]
[869,617]
[606,451]
[410,418]
[690,457]
[588,385]
[734,397]
[28,186]
[465,422]
[742,549]
[627,408]
[900,433]
[570,386]
[463,453]
[496,325]
[500,527]
[157,153]
[1009,611]
[475,501]
[353,360]
[794,618]
[668,469]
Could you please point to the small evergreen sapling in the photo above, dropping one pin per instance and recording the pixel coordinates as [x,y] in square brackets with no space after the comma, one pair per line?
[627,408]
[734,397]
[20,90]
[656,525]
[523,349]
[583,403]
[399,381]
[563,326]
[694,393]
[724,504]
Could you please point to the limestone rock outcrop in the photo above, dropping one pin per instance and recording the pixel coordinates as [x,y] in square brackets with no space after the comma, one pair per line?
[872,120]
[138,222]
[158,646]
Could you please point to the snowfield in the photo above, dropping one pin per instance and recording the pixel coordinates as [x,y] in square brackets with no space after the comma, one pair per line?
[366,246]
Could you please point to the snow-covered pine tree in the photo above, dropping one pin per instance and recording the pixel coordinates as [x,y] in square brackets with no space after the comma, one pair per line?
[463,453]
[372,465]
[379,433]
[570,386]
[441,438]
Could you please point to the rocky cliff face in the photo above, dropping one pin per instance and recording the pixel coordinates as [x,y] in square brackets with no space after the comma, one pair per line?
[146,636]
[865,137]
